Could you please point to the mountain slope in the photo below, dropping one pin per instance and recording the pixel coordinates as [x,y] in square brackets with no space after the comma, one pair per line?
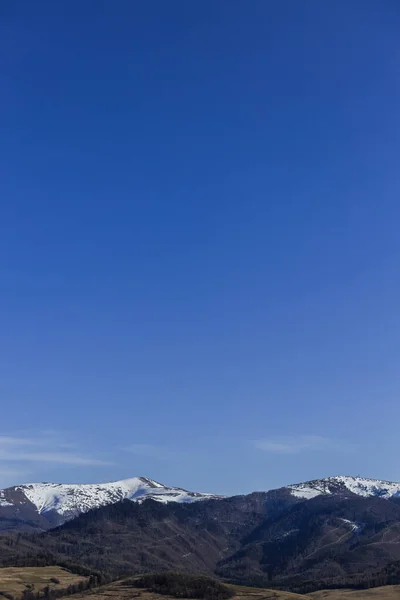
[45,505]
[326,541]
[130,537]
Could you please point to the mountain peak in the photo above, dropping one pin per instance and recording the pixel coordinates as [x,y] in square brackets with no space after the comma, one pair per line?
[345,484]
[60,502]
[50,504]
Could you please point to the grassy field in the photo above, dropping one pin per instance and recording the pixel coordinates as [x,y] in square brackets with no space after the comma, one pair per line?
[14,580]
[119,591]
[388,592]
[248,593]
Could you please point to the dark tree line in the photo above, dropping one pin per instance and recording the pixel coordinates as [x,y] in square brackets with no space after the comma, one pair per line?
[181,585]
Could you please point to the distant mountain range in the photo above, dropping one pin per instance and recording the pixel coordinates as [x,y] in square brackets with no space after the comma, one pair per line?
[328,532]
[46,505]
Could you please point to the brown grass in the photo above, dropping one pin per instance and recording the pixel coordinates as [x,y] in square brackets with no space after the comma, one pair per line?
[119,591]
[387,592]
[248,593]
[14,580]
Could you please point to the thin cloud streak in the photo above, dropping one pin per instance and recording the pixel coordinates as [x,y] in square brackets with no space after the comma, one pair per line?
[11,472]
[61,458]
[7,440]
[52,440]
[18,449]
[11,476]
[298,444]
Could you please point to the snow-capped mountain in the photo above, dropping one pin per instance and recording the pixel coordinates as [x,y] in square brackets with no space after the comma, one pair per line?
[342,485]
[44,505]
[59,502]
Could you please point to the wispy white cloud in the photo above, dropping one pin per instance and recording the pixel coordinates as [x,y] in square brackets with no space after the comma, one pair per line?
[10,476]
[299,443]
[6,472]
[65,458]
[10,441]
[47,439]
[43,449]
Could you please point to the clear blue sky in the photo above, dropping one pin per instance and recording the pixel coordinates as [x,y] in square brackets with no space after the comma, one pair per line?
[199,241]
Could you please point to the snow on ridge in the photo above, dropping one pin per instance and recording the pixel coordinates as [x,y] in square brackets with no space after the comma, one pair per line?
[309,489]
[3,500]
[72,499]
[361,486]
[304,492]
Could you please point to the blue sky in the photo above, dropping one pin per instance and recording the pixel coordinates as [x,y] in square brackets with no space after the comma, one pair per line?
[199,241]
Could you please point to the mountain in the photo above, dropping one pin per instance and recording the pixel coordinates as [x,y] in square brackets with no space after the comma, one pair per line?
[129,537]
[44,505]
[327,541]
[268,540]
[342,485]
[324,533]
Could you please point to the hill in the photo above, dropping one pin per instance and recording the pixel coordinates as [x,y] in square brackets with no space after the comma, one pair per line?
[123,590]
[14,581]
[387,592]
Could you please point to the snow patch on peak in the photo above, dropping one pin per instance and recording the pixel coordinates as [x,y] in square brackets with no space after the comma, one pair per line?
[360,486]
[70,500]
[3,500]
[304,491]
[310,489]
[363,486]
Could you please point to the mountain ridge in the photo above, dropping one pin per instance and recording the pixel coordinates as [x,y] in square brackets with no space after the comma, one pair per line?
[46,505]
[272,541]
[361,486]
[347,534]
[57,503]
